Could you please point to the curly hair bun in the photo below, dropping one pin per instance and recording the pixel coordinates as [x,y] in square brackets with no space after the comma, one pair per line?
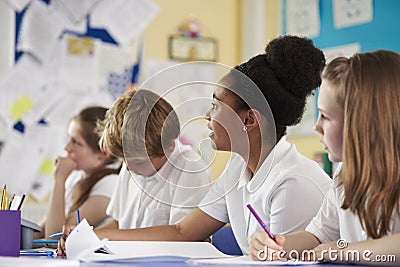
[297,64]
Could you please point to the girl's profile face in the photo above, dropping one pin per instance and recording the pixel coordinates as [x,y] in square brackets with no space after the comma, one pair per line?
[225,124]
[79,151]
[330,122]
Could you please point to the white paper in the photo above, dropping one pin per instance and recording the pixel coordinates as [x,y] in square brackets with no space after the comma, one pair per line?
[303,18]
[115,68]
[40,28]
[246,261]
[348,13]
[77,26]
[18,5]
[78,63]
[124,20]
[341,51]
[82,242]
[21,86]
[76,10]
[20,160]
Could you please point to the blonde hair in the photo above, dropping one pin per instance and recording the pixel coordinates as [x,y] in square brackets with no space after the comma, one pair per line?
[150,126]
[370,174]
[110,129]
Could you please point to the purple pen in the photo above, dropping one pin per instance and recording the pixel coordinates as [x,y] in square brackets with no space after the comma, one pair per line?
[261,222]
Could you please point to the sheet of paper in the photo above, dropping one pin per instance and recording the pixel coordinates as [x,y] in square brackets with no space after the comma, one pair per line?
[303,17]
[341,51]
[82,242]
[40,28]
[124,250]
[76,10]
[18,5]
[246,261]
[347,13]
[20,90]
[17,171]
[78,63]
[124,20]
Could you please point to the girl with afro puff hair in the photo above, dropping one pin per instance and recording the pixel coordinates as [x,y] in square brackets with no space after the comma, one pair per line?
[252,107]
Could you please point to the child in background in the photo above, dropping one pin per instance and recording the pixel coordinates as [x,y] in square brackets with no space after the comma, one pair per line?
[359,124]
[162,180]
[84,179]
[283,186]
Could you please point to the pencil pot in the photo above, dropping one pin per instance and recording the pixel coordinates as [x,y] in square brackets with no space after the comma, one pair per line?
[10,232]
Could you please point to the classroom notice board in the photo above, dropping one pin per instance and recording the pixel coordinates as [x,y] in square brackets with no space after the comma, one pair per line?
[382,32]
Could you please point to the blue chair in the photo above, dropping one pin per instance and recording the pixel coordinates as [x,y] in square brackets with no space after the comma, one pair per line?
[225,241]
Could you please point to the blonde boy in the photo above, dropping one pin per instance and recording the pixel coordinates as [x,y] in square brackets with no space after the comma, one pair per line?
[162,179]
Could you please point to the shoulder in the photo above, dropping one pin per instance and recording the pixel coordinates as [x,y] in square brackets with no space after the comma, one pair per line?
[295,166]
[107,182]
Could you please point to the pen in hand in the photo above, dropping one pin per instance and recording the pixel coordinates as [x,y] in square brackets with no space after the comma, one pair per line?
[78,216]
[260,221]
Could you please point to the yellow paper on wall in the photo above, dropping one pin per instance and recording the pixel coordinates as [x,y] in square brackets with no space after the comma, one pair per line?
[20,107]
[47,166]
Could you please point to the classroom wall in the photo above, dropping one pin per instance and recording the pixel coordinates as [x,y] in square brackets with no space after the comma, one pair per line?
[239,33]
[218,19]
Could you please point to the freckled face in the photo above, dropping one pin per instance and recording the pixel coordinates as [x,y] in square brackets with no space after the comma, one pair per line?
[225,124]
[330,122]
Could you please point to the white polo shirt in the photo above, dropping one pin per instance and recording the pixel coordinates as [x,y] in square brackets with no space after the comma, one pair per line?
[333,223]
[104,187]
[164,198]
[286,192]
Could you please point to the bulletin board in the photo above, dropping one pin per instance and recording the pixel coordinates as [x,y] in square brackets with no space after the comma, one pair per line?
[381,32]
[68,55]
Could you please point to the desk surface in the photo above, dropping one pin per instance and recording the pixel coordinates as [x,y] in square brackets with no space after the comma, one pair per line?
[55,262]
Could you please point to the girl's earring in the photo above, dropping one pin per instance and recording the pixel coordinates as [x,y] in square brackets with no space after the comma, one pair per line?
[244,128]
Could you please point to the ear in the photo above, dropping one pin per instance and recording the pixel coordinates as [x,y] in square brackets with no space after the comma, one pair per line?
[103,156]
[171,148]
[252,119]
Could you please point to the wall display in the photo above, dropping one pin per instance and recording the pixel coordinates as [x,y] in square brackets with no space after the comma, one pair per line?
[192,49]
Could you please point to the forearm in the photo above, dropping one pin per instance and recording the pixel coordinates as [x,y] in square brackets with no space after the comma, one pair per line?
[113,224]
[156,233]
[55,217]
[299,241]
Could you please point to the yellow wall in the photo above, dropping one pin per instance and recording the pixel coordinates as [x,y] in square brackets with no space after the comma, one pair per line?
[307,145]
[219,19]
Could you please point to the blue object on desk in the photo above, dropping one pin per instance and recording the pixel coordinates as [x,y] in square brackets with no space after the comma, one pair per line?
[37,253]
[45,241]
[56,235]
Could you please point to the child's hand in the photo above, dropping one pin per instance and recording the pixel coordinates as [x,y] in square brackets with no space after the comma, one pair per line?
[61,243]
[263,248]
[63,168]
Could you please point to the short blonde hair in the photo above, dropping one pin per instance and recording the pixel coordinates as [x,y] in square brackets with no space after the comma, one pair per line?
[150,126]
[110,129]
